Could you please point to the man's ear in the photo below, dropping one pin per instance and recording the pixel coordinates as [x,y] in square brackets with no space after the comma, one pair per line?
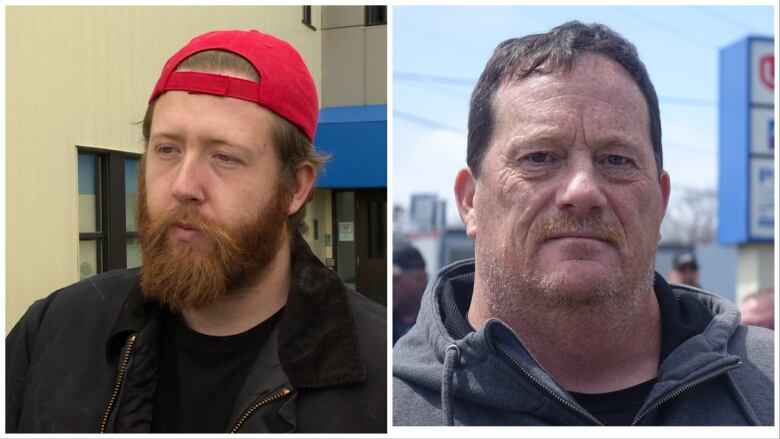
[305,176]
[465,188]
[666,189]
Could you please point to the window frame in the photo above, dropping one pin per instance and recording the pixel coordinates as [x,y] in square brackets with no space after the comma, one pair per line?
[113,236]
[368,18]
[306,20]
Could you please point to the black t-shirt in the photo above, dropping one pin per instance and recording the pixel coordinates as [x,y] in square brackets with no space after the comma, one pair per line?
[616,408]
[200,375]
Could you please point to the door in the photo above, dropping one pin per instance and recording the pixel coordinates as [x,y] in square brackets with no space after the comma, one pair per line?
[371,244]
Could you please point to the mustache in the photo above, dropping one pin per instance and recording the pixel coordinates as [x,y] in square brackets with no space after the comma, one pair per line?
[568,223]
[157,227]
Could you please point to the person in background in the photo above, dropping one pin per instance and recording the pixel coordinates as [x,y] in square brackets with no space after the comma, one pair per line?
[685,269]
[409,281]
[758,309]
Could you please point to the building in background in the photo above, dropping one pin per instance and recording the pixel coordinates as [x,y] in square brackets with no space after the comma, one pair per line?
[426,213]
[77,82]
[349,230]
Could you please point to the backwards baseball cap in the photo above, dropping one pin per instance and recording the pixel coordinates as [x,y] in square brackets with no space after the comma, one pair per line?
[285,88]
[406,257]
[685,258]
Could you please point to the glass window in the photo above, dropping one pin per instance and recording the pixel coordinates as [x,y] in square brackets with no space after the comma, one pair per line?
[107,196]
[376,15]
[307,17]
[89,193]
[133,253]
[377,229]
[88,258]
[131,193]
[133,247]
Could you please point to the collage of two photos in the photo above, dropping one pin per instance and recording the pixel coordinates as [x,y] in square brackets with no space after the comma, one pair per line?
[580,229]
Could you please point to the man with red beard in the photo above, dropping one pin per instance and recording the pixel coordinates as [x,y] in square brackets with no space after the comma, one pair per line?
[560,319]
[231,324]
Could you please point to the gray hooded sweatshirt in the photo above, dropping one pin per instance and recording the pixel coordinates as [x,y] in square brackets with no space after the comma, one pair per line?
[712,372]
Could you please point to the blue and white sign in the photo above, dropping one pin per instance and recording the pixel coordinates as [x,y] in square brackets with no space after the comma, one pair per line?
[762,198]
[762,131]
[762,71]
[747,146]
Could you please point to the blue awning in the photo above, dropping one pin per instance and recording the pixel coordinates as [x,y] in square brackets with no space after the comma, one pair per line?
[356,139]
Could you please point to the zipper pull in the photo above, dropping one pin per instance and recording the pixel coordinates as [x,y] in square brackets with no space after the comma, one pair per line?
[281,393]
[119,380]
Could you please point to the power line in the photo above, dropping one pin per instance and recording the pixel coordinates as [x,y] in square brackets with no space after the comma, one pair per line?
[677,32]
[464,82]
[723,18]
[422,77]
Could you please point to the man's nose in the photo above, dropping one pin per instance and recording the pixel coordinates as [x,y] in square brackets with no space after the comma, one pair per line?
[189,184]
[581,188]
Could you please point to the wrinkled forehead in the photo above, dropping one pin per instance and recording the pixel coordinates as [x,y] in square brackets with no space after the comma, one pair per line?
[590,77]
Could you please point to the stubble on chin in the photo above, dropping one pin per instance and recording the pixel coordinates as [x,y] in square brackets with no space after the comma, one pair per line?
[527,290]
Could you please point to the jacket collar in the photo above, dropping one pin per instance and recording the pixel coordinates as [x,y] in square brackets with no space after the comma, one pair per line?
[317,336]
[318,342]
[132,318]
[681,317]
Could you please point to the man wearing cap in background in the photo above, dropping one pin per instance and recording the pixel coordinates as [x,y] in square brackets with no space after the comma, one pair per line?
[232,324]
[409,281]
[685,269]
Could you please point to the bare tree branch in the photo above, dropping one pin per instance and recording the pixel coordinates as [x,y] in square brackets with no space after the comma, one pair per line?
[692,218]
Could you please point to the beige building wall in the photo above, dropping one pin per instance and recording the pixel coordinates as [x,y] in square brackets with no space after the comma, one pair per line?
[345,38]
[82,76]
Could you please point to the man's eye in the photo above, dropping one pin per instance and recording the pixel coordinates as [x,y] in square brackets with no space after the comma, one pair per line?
[616,160]
[166,151]
[540,157]
[224,158]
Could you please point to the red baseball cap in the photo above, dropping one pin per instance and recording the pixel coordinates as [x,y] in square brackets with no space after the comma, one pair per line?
[286,87]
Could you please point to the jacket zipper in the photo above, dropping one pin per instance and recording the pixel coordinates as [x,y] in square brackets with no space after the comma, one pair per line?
[119,379]
[284,391]
[680,390]
[572,407]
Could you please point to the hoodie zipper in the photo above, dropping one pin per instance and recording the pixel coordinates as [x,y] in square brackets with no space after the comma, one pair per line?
[671,395]
[119,380]
[284,391]
[585,415]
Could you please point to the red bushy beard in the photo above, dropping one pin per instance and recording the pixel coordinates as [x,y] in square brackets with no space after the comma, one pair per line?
[196,274]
